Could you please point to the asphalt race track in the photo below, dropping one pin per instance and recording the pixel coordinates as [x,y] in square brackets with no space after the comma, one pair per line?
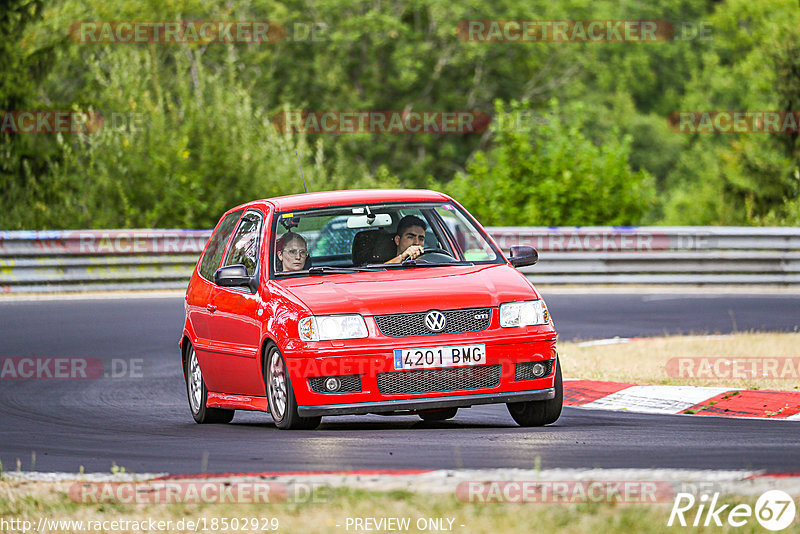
[142,422]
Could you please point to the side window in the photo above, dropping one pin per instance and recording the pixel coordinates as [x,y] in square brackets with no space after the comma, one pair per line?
[216,245]
[244,246]
[469,242]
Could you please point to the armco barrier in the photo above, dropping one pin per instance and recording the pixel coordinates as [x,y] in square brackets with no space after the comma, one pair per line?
[85,260]
[696,255]
[81,260]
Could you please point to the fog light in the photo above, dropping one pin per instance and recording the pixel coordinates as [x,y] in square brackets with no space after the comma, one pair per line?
[538,370]
[333,384]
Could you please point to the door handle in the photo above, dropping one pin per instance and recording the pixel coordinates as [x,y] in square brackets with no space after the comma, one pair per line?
[211,308]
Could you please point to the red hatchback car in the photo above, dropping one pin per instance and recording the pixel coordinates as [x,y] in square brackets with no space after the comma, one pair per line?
[356,302]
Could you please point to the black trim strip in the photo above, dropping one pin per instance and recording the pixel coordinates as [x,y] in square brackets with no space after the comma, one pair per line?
[460,401]
[226,353]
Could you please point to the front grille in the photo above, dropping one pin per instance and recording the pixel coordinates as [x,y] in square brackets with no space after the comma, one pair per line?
[433,380]
[524,371]
[350,384]
[413,324]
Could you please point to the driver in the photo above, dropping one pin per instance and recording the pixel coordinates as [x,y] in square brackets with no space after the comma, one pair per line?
[292,252]
[410,238]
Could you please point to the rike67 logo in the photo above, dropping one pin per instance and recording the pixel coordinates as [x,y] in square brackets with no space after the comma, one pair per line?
[774,510]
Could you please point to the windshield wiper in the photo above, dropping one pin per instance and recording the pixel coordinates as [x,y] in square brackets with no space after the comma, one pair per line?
[325,269]
[421,262]
[412,263]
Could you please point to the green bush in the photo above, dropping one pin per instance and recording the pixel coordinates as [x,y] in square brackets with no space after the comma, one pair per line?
[543,170]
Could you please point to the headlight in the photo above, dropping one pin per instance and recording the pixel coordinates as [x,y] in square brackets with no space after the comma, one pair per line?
[523,313]
[327,327]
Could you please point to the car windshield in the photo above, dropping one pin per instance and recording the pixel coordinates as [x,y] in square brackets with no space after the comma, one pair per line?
[365,237]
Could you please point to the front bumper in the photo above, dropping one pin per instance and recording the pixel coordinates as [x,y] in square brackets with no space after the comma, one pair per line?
[369,358]
[458,401]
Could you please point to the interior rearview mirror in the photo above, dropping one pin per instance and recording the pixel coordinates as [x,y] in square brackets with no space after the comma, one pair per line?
[374,220]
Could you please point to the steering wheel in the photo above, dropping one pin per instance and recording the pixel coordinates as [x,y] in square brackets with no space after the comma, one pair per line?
[437,255]
[436,250]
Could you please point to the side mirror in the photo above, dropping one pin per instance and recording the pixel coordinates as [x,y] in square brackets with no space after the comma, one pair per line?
[522,256]
[235,276]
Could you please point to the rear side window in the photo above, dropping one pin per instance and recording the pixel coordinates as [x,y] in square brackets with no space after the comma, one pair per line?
[244,247]
[216,245]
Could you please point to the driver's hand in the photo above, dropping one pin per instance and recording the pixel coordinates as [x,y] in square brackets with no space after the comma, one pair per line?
[412,252]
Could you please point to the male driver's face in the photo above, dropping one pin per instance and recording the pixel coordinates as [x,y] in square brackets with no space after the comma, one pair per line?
[413,235]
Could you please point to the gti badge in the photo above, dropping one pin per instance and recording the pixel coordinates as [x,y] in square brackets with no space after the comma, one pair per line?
[435,321]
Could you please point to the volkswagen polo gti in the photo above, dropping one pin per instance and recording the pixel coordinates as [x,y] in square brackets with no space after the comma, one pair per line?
[358,302]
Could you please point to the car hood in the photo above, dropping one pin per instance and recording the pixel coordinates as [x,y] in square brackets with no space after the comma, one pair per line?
[411,290]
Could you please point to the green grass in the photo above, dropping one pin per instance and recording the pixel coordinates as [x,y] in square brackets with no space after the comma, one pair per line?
[33,500]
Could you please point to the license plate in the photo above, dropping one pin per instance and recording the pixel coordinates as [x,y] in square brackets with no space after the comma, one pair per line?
[454,356]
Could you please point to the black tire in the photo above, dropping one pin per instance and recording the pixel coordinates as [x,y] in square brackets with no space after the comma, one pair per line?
[280,395]
[198,394]
[540,413]
[439,415]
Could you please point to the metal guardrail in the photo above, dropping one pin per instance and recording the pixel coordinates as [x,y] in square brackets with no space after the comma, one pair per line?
[696,255]
[98,260]
[82,260]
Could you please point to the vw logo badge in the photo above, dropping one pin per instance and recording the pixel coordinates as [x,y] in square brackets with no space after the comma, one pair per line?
[435,321]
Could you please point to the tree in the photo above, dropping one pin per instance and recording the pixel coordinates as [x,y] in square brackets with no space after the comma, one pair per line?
[22,65]
[542,170]
[743,178]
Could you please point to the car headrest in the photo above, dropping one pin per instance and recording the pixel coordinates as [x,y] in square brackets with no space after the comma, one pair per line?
[372,246]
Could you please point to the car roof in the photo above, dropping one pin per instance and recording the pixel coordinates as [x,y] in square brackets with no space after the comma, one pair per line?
[352,196]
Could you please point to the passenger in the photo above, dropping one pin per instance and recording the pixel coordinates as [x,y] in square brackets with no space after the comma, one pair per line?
[410,238]
[292,252]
